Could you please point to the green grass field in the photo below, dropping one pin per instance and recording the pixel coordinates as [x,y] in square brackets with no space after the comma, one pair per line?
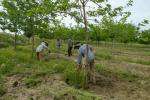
[122,73]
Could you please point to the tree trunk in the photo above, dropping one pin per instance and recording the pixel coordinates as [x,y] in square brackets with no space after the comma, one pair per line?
[28,41]
[15,40]
[32,45]
[98,43]
[85,20]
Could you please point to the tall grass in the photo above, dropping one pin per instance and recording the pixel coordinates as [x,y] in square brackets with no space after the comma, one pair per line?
[74,77]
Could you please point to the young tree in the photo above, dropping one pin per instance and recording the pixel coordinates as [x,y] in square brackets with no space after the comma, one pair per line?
[10,18]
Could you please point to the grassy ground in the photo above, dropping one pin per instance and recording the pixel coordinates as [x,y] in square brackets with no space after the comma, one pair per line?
[122,73]
[27,78]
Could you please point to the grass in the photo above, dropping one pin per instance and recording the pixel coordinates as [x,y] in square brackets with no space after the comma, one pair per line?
[122,74]
[142,61]
[105,55]
[2,87]
[32,81]
[20,62]
[60,91]
[74,77]
[77,95]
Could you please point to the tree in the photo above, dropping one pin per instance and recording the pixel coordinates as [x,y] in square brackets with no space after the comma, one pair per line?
[31,17]
[10,18]
[82,12]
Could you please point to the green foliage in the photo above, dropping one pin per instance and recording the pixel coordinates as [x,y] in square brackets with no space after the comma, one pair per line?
[114,31]
[64,33]
[31,17]
[6,38]
[144,37]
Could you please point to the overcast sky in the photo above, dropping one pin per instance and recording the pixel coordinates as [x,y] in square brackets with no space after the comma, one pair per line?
[140,10]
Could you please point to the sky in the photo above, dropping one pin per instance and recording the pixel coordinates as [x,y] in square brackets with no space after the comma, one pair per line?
[140,10]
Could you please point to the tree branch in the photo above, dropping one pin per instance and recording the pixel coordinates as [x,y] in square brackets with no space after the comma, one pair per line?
[98,5]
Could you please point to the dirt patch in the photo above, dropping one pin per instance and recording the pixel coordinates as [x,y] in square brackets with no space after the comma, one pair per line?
[51,88]
[119,90]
